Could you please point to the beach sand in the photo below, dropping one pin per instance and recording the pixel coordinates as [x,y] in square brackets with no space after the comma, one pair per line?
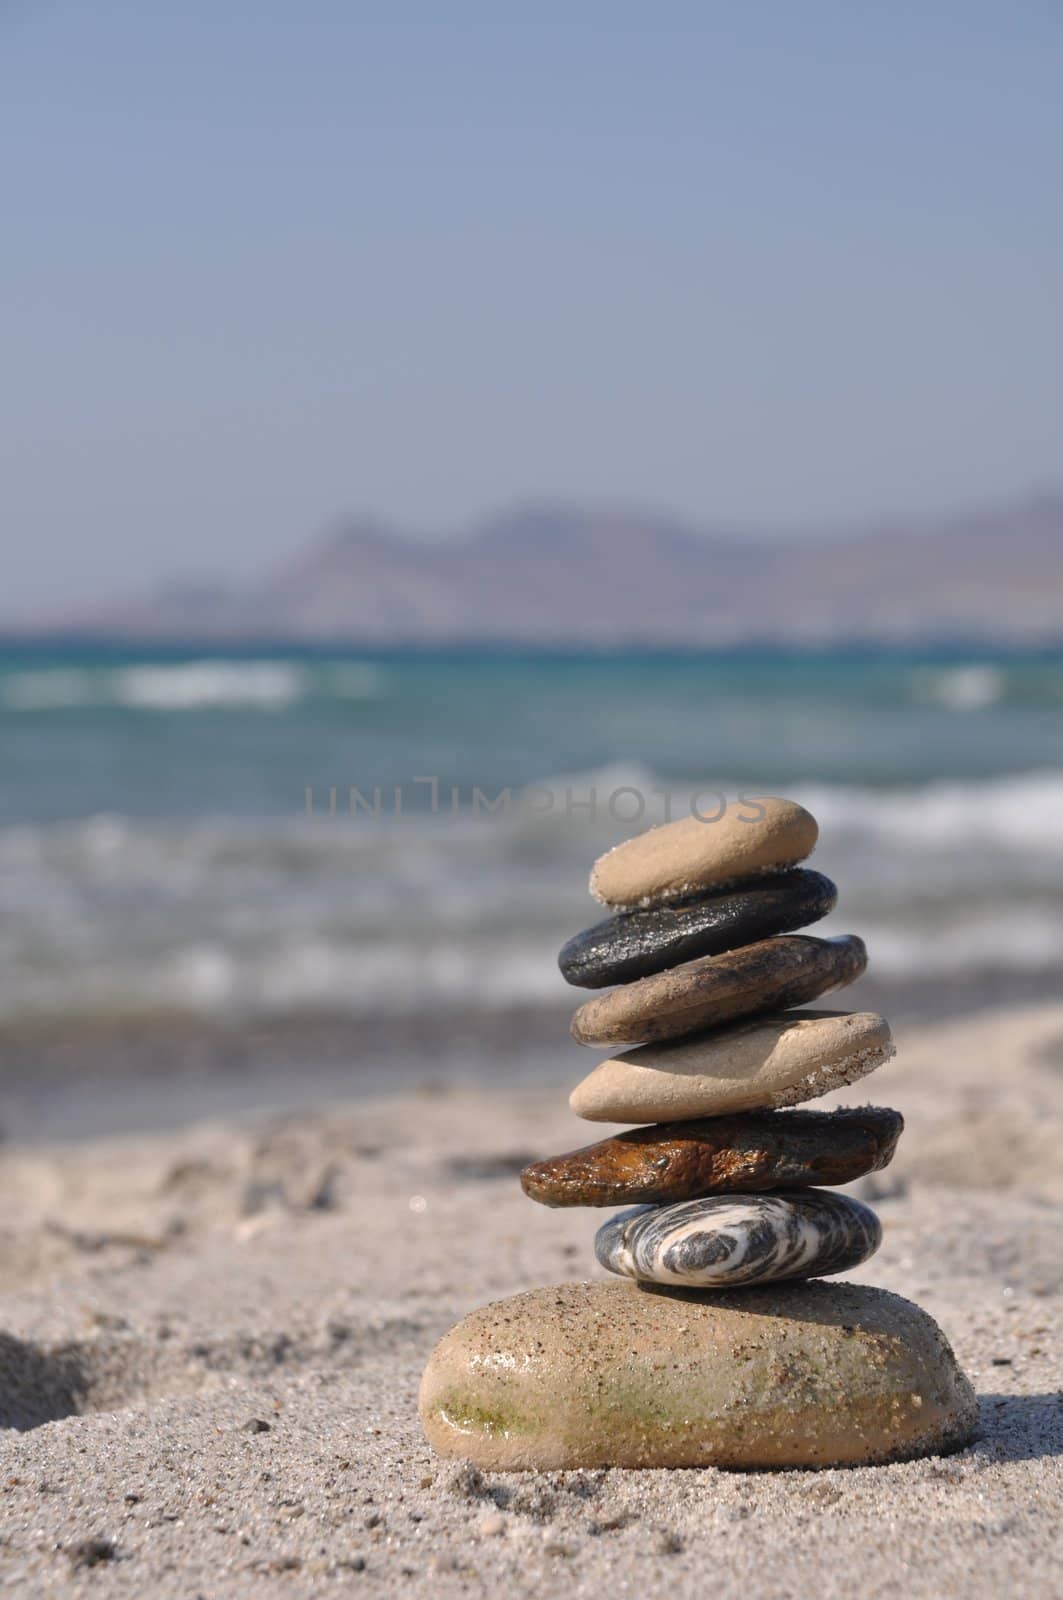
[211,1341]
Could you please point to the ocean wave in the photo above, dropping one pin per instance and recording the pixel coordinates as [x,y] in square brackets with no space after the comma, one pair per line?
[975,686]
[963,823]
[966,688]
[196,684]
[222,916]
[992,941]
[1021,813]
[189,686]
[314,974]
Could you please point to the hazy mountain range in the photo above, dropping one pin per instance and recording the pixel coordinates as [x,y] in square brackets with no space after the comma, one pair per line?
[570,575]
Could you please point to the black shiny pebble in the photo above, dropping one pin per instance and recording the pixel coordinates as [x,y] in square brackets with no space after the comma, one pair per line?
[638,943]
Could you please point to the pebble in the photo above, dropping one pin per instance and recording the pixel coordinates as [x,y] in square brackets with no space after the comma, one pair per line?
[725,1240]
[749,1066]
[617,1375]
[750,1151]
[770,975]
[638,943]
[705,852]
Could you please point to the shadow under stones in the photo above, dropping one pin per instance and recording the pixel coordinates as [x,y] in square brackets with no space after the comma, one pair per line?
[38,1386]
[829,1303]
[1020,1427]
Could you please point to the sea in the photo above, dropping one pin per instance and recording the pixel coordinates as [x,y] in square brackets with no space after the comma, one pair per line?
[253,833]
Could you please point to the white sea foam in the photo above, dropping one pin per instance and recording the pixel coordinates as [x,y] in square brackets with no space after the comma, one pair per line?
[967,688]
[991,941]
[189,685]
[316,975]
[1022,813]
[195,684]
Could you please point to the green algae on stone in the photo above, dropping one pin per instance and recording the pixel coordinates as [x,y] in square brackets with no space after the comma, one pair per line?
[471,1416]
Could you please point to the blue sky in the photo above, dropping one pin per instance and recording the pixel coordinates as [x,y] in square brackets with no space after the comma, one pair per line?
[765,264]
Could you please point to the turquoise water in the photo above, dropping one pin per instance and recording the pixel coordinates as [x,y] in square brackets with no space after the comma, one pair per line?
[155,848]
[190,734]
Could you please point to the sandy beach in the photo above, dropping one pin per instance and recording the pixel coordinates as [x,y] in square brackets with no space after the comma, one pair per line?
[212,1340]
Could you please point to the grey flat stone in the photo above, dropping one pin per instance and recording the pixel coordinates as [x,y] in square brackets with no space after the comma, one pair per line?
[635,944]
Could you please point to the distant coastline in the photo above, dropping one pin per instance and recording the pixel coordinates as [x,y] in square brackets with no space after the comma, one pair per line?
[584,581]
[51,643]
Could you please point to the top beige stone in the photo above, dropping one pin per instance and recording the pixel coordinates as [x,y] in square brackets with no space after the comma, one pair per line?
[751,836]
[773,1061]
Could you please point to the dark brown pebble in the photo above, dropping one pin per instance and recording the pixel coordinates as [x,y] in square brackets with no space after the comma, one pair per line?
[750,1151]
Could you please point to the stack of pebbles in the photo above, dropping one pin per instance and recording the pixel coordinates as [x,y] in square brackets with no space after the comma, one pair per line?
[692,1360]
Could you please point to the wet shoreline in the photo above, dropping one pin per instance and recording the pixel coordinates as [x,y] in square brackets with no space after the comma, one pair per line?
[72,1078]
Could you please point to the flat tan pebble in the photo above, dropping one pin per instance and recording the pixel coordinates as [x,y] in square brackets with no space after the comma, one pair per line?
[749,1066]
[614,1375]
[750,836]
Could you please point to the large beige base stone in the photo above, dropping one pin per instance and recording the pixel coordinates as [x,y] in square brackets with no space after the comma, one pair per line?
[622,1375]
